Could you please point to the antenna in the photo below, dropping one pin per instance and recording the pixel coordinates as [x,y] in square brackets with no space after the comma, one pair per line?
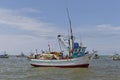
[81,41]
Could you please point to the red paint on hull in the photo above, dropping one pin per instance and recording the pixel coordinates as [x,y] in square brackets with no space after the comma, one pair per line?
[69,66]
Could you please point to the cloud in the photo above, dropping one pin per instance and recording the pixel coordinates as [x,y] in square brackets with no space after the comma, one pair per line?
[33,33]
[108,27]
[31,10]
[36,27]
[14,44]
[8,17]
[109,30]
[104,37]
[98,31]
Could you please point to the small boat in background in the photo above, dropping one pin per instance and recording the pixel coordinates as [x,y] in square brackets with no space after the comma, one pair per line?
[31,56]
[4,55]
[116,57]
[96,56]
[21,55]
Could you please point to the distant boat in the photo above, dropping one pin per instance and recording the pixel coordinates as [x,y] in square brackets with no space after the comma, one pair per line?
[4,56]
[96,56]
[21,55]
[116,57]
[71,55]
[31,56]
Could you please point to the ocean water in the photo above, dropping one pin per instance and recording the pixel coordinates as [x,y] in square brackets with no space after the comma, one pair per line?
[15,68]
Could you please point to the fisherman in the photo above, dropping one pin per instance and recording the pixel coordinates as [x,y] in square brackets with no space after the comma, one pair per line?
[61,54]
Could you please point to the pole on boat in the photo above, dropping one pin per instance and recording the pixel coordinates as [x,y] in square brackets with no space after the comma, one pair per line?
[71,35]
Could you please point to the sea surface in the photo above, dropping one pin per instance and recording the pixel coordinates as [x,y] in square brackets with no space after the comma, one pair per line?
[15,68]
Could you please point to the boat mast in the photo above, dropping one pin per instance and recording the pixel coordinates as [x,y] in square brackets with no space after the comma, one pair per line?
[71,35]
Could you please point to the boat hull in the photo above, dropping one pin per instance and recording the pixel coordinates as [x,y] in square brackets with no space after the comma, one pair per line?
[68,66]
[63,63]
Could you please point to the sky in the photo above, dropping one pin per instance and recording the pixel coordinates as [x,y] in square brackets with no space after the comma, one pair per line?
[27,25]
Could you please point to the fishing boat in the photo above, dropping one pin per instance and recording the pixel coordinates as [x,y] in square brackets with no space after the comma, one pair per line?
[79,58]
[74,55]
[116,57]
[4,56]
[21,55]
[96,56]
[32,55]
